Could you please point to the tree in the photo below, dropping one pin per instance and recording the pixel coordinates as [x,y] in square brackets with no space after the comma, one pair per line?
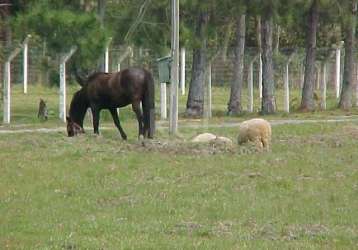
[307,102]
[195,102]
[349,25]
[5,29]
[235,102]
[63,28]
[268,105]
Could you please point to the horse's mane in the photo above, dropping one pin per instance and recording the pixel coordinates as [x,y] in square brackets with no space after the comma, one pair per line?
[78,106]
[95,75]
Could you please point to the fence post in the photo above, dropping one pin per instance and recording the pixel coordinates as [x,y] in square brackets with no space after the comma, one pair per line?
[173,121]
[7,85]
[318,80]
[338,70]
[7,92]
[25,63]
[208,111]
[163,101]
[286,102]
[260,77]
[182,71]
[106,56]
[64,59]
[250,87]
[324,86]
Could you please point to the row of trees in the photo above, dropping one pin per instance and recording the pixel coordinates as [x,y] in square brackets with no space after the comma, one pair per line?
[218,24]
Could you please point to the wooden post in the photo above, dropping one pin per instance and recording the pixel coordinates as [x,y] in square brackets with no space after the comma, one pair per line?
[25,63]
[163,101]
[324,86]
[182,71]
[173,122]
[62,107]
[7,85]
[250,87]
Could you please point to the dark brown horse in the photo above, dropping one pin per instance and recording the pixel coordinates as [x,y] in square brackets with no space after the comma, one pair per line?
[111,91]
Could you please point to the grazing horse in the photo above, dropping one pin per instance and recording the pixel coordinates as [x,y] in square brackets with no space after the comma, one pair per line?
[111,91]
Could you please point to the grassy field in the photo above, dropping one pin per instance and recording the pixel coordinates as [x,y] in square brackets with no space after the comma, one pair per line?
[98,192]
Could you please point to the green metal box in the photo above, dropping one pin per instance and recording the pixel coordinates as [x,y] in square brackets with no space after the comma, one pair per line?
[164,65]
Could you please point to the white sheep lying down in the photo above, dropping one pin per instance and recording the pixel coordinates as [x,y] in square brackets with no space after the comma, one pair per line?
[257,131]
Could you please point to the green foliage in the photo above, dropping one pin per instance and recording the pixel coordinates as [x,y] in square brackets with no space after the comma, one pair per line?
[63,29]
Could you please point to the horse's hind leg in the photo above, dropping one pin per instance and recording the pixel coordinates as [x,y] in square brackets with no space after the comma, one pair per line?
[138,112]
[117,123]
[95,113]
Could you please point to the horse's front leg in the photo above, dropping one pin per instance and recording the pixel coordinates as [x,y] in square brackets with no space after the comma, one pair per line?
[137,110]
[95,113]
[117,123]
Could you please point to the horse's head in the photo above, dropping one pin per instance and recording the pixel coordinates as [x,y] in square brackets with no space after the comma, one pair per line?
[73,128]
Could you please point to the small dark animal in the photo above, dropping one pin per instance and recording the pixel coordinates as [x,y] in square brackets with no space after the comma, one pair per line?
[43,112]
[111,91]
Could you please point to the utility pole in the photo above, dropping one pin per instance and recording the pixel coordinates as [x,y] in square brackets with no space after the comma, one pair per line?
[174,81]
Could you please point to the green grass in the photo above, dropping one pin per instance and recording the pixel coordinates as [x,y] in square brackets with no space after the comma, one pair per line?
[93,192]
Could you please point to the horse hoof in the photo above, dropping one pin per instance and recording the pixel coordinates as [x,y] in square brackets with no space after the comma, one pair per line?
[141,138]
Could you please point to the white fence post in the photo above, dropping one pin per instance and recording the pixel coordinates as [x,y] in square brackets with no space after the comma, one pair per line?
[356,82]
[163,101]
[260,77]
[62,108]
[25,63]
[286,103]
[338,70]
[7,92]
[182,71]
[7,85]
[106,56]
[174,81]
[324,86]
[250,87]
[208,101]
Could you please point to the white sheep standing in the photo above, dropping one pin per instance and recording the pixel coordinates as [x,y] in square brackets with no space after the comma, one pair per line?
[257,131]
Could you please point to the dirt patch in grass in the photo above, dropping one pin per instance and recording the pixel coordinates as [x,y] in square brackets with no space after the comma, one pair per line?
[189,148]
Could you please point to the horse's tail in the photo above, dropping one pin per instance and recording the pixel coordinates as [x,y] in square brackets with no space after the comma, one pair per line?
[148,105]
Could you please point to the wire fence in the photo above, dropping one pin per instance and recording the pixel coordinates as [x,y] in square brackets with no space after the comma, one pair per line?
[43,70]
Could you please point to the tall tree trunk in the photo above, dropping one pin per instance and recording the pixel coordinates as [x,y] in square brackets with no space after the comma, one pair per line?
[227,39]
[277,38]
[195,103]
[5,28]
[258,32]
[268,105]
[101,12]
[307,102]
[349,41]
[101,8]
[235,102]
